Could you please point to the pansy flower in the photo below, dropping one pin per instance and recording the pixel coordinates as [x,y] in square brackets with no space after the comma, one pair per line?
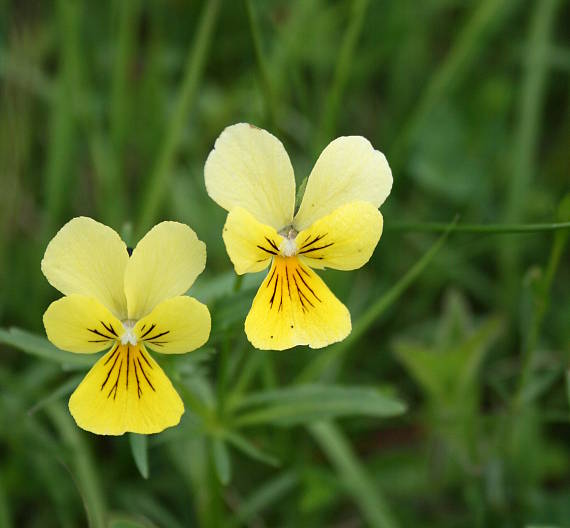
[337,226]
[128,302]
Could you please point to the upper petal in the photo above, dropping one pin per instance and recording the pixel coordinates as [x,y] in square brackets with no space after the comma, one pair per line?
[164,264]
[344,239]
[348,170]
[88,258]
[250,244]
[175,326]
[81,324]
[250,168]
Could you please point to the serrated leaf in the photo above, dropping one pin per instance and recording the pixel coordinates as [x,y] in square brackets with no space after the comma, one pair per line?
[39,346]
[306,403]
[139,449]
[222,461]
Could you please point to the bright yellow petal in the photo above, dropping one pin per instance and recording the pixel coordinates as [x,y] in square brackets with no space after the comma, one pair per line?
[88,258]
[81,324]
[126,391]
[175,326]
[295,307]
[164,264]
[348,170]
[250,168]
[343,240]
[250,244]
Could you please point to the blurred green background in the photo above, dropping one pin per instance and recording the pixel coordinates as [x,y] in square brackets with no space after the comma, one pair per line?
[109,109]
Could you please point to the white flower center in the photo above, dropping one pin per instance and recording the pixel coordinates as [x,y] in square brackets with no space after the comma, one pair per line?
[288,247]
[129,335]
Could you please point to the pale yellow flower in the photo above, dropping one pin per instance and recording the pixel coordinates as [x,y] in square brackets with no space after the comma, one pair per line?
[126,303]
[337,226]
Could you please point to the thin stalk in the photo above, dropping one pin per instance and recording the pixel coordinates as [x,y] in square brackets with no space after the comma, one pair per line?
[528,131]
[159,180]
[358,483]
[541,305]
[333,355]
[342,71]
[440,227]
[82,463]
[266,86]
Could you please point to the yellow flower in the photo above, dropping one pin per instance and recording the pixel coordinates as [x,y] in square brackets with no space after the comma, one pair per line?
[125,303]
[337,226]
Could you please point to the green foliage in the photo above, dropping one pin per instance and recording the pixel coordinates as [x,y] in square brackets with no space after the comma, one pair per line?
[110,109]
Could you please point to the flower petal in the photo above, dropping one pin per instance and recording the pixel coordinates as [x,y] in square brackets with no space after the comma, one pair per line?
[126,391]
[250,168]
[88,258]
[295,307]
[175,326]
[81,324]
[250,244]
[344,239]
[348,170]
[164,264]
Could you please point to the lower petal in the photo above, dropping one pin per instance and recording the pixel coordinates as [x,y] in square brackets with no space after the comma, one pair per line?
[295,307]
[126,391]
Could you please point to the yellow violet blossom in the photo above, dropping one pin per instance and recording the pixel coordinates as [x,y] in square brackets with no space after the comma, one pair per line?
[126,302]
[337,226]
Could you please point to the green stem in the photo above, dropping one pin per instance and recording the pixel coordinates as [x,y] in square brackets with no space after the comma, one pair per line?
[83,466]
[358,483]
[324,361]
[440,227]
[159,179]
[266,87]
[342,71]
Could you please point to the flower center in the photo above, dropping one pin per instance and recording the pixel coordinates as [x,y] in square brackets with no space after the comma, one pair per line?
[129,335]
[288,247]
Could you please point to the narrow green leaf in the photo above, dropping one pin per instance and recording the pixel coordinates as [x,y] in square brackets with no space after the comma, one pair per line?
[568,385]
[245,446]
[439,227]
[222,461]
[63,390]
[358,483]
[159,178]
[139,449]
[306,403]
[267,494]
[39,346]
[128,522]
[334,354]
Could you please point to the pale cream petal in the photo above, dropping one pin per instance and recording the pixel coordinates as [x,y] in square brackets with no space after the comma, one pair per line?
[348,170]
[88,258]
[250,168]
[164,264]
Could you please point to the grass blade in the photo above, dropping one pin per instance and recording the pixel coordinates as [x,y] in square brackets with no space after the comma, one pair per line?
[335,353]
[157,185]
[363,490]
[139,450]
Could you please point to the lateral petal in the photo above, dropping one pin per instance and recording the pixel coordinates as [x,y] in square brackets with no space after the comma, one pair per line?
[250,168]
[348,170]
[295,307]
[126,391]
[175,326]
[164,264]
[249,243]
[81,324]
[344,239]
[88,258]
